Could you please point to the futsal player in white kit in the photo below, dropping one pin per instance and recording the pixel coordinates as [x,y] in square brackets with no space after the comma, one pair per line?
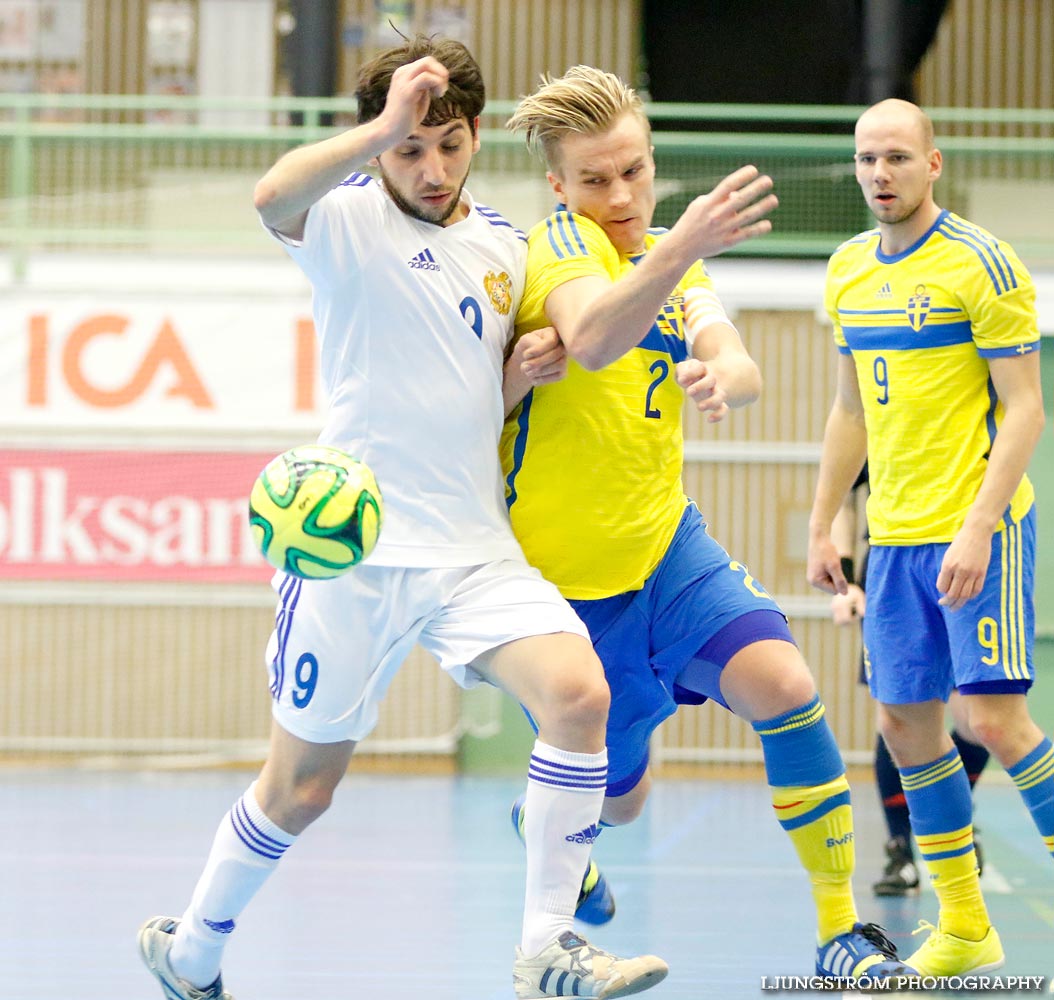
[415,290]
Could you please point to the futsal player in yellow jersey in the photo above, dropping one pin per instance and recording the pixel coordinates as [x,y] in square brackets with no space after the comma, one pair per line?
[939,387]
[593,481]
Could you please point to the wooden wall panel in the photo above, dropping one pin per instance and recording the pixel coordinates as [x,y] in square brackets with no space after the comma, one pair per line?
[992,54]
[516,40]
[758,509]
[114,678]
[797,359]
[996,54]
[116,47]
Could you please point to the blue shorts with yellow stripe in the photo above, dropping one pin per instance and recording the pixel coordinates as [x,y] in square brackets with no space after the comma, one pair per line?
[666,644]
[916,650]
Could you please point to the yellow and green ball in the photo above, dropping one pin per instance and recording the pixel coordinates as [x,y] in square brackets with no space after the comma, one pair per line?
[315,512]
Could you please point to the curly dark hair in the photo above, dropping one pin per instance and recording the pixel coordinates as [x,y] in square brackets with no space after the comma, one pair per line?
[465,94]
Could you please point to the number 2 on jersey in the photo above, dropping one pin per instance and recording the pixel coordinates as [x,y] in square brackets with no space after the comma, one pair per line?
[748,581]
[469,304]
[660,369]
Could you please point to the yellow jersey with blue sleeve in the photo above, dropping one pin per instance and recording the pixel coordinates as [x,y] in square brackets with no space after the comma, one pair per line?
[593,463]
[920,326]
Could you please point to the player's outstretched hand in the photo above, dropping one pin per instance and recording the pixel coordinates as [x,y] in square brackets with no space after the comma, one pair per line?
[543,356]
[411,91]
[734,211]
[700,384]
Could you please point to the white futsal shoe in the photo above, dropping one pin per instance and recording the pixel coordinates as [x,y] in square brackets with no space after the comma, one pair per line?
[155,942]
[572,967]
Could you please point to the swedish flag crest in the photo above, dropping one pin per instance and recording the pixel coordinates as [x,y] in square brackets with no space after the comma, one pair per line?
[671,315]
[918,307]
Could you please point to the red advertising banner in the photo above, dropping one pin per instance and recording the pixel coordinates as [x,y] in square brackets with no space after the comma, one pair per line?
[119,516]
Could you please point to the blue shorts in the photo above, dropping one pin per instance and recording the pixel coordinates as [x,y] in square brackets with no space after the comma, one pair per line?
[697,597]
[916,650]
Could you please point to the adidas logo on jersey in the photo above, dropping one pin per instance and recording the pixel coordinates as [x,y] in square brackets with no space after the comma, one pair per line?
[885,292]
[424,260]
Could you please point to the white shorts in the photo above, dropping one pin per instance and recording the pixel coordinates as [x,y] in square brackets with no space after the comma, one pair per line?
[338,643]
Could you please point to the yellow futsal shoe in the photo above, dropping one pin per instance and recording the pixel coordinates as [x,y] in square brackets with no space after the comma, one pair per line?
[944,954]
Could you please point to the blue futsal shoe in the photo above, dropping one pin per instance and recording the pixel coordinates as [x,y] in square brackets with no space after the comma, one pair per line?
[863,954]
[596,904]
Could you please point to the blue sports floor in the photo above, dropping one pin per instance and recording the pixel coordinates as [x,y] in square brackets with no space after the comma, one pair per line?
[411,887]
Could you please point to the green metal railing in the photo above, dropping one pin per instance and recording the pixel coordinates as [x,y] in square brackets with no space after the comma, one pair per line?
[174,174]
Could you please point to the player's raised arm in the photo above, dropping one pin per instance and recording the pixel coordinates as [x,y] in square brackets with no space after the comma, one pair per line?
[596,139]
[302,176]
[600,321]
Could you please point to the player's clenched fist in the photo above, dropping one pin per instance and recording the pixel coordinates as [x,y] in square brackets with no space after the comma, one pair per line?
[411,92]
[700,385]
[543,358]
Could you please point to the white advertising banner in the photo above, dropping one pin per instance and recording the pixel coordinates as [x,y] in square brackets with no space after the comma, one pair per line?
[112,362]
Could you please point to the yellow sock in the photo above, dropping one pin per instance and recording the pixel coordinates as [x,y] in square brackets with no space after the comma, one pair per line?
[955,880]
[819,822]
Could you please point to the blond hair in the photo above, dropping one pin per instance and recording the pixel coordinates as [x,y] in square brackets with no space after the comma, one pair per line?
[584,101]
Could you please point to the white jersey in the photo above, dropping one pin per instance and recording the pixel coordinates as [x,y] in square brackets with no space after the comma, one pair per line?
[413,321]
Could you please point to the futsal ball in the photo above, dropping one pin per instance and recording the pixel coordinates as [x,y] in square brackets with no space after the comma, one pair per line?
[315,512]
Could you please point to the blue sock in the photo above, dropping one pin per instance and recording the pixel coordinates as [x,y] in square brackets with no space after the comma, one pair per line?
[1034,777]
[799,747]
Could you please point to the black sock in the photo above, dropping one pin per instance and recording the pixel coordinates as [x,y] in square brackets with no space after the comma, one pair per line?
[974,755]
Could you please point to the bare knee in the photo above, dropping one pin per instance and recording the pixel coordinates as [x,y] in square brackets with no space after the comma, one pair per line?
[915,734]
[576,700]
[1004,738]
[766,679]
[559,679]
[891,728]
[794,689]
[1003,725]
[312,797]
[897,734]
[960,713]
[295,803]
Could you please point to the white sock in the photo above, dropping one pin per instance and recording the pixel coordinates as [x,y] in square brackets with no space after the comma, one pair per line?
[247,848]
[565,793]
